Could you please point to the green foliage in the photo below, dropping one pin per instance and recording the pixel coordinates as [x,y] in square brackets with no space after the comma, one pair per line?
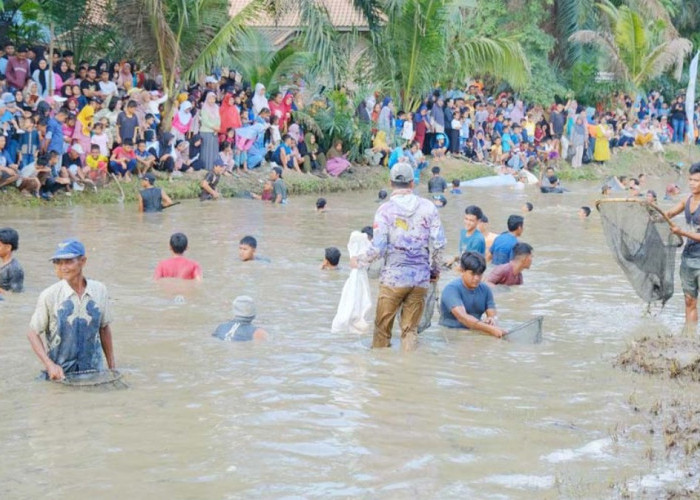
[334,119]
[259,62]
[637,47]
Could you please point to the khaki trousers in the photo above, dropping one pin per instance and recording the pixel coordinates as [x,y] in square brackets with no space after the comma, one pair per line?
[388,303]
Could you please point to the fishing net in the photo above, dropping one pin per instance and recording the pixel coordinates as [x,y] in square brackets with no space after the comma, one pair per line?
[640,237]
[95,380]
[432,298]
[529,332]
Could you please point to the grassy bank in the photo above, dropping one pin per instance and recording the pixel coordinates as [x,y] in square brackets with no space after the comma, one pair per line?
[628,162]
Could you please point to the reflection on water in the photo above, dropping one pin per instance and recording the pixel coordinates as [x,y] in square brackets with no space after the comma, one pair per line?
[312,414]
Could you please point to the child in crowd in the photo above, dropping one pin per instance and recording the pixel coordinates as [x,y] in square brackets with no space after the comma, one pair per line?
[11,272]
[456,187]
[439,148]
[97,163]
[436,184]
[331,259]
[100,139]
[407,132]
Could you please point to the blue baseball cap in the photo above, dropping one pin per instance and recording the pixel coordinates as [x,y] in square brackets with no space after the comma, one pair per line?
[69,249]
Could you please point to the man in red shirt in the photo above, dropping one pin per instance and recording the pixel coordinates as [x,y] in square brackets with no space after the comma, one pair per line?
[511,273]
[17,69]
[178,266]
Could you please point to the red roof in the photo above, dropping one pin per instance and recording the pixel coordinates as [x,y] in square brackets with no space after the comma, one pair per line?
[342,14]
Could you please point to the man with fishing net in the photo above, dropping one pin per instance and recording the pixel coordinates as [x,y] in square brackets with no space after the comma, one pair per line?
[74,316]
[690,258]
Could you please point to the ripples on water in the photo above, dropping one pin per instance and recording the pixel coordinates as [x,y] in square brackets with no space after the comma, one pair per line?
[312,414]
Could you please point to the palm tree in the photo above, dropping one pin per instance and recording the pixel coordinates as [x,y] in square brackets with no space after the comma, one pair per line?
[427,41]
[258,61]
[183,38]
[637,46]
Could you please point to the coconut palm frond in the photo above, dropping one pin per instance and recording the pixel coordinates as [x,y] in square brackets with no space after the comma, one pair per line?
[320,38]
[216,30]
[307,122]
[501,58]
[665,56]
[252,55]
[146,25]
[284,64]
[605,42]
[655,9]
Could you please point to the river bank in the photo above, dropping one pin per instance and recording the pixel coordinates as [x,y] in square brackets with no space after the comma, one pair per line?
[628,162]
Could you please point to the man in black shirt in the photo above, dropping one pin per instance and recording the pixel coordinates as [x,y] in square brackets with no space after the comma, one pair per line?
[210,182]
[678,119]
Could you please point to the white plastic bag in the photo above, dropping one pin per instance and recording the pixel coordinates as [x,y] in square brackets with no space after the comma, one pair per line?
[356,299]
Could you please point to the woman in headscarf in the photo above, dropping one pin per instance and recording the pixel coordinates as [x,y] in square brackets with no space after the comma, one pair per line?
[63,70]
[337,163]
[277,107]
[182,121]
[259,99]
[385,116]
[126,79]
[83,125]
[361,112]
[229,115]
[287,107]
[295,133]
[43,77]
[210,123]
[420,124]
[311,154]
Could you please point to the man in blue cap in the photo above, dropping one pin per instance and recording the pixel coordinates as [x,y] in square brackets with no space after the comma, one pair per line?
[73,316]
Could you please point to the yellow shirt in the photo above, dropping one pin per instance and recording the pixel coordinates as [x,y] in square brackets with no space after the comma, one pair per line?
[93,162]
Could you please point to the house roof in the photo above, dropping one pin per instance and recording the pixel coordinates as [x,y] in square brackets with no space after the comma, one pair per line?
[342,13]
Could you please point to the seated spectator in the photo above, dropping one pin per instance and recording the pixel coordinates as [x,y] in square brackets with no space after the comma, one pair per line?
[123,160]
[283,154]
[145,159]
[337,162]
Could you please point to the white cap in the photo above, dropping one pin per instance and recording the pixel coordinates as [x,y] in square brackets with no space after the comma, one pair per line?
[210,79]
[77,148]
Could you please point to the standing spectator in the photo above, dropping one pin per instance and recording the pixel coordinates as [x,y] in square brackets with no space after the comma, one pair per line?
[17,70]
[209,129]
[556,126]
[579,139]
[406,229]
[128,124]
[677,119]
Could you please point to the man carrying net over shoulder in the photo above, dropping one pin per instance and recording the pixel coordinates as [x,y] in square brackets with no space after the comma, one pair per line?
[690,258]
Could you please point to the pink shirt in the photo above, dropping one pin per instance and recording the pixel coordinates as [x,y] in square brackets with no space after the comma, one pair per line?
[503,275]
[178,267]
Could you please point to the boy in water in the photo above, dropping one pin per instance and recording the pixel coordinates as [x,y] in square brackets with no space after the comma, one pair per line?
[512,273]
[470,238]
[247,248]
[436,184]
[178,266]
[210,182]
[456,188]
[466,300]
[584,212]
[11,272]
[690,258]
[502,248]
[321,205]
[331,259]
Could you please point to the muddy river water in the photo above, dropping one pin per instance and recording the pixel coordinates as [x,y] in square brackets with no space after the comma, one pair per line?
[311,414]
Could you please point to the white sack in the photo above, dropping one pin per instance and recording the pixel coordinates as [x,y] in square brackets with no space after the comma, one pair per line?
[356,299]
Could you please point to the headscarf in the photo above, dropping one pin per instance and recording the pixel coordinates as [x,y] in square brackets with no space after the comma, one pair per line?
[184,113]
[85,117]
[165,147]
[229,115]
[294,132]
[438,114]
[417,116]
[43,81]
[380,140]
[361,112]
[333,152]
[287,106]
[259,99]
[311,148]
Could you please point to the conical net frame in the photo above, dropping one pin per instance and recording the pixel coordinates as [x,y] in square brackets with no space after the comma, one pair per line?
[529,332]
[106,379]
[640,238]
